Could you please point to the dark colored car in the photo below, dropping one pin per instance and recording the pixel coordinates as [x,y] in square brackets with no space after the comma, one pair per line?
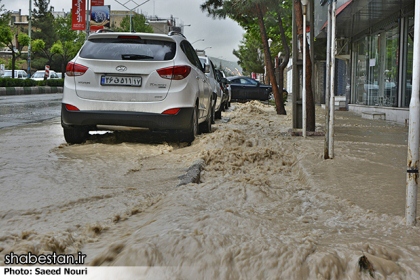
[245,88]
[224,84]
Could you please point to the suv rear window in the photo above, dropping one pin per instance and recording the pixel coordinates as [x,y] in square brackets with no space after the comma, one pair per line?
[128,49]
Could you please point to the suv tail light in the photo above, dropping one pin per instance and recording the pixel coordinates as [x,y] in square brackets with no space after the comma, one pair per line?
[175,72]
[74,69]
[172,111]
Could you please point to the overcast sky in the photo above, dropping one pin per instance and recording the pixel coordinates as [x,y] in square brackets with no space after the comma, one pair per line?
[220,36]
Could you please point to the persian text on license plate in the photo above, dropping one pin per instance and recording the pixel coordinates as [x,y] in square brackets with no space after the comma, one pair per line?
[120,81]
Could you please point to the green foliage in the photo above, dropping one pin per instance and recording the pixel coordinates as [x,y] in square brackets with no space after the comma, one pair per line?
[242,11]
[138,22]
[9,82]
[44,30]
[51,82]
[4,15]
[250,54]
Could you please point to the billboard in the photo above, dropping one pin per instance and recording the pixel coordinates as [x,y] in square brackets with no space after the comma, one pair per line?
[100,17]
[78,17]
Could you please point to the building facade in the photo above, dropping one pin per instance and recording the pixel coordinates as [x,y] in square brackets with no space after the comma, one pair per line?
[374,54]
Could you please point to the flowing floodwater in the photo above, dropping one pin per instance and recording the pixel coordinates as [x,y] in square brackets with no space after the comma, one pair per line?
[267,205]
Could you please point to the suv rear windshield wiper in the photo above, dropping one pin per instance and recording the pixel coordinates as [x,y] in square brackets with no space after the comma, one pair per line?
[135,57]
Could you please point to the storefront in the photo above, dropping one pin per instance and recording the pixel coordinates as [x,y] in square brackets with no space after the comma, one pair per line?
[380,54]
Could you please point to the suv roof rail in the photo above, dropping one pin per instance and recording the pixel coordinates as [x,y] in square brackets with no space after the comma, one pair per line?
[171,33]
[104,30]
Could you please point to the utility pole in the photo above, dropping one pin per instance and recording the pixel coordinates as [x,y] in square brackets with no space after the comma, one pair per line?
[327,87]
[332,80]
[413,131]
[30,37]
[87,19]
[304,10]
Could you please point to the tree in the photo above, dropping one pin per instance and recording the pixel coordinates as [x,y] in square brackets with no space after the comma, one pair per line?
[138,24]
[4,15]
[7,36]
[247,12]
[41,47]
[248,54]
[44,29]
[69,44]
[310,104]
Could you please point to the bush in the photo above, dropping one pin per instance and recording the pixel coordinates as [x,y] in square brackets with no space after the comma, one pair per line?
[9,82]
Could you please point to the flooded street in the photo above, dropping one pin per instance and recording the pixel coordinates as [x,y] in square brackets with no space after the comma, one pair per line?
[267,205]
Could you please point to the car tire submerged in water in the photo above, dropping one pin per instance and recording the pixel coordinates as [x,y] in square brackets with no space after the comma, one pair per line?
[206,125]
[75,135]
[213,110]
[218,114]
[190,134]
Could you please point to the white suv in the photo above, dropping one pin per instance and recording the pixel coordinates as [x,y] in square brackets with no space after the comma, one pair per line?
[143,80]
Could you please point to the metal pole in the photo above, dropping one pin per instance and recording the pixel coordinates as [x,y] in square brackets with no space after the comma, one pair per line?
[332,76]
[30,38]
[131,20]
[327,86]
[87,19]
[413,132]
[304,74]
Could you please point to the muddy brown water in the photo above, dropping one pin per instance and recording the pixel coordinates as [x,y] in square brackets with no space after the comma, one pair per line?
[267,206]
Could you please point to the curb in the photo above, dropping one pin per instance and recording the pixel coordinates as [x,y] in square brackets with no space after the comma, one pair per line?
[5,91]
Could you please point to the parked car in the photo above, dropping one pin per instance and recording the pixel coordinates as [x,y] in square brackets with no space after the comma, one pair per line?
[245,88]
[141,80]
[224,84]
[39,75]
[217,90]
[19,74]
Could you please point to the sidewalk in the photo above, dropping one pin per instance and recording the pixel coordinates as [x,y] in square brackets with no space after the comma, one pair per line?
[369,165]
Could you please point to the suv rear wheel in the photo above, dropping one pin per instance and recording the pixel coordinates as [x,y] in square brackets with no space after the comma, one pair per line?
[190,134]
[75,135]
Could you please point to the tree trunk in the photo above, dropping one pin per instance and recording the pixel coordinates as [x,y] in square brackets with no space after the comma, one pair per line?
[286,50]
[270,69]
[310,104]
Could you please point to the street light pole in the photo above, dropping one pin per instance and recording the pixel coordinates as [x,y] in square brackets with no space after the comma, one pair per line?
[197,41]
[304,6]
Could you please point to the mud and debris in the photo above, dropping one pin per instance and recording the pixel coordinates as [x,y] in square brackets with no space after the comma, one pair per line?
[262,204]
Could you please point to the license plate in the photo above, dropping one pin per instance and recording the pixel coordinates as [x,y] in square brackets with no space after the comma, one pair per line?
[120,81]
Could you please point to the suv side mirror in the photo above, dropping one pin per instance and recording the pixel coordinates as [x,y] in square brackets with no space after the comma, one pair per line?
[207,68]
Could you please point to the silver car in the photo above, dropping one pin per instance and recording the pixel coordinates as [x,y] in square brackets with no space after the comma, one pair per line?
[19,74]
[136,80]
[215,85]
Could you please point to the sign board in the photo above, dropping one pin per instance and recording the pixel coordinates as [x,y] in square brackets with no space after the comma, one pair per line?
[100,17]
[78,15]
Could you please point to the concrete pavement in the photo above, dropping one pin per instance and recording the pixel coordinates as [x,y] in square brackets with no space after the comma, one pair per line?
[369,164]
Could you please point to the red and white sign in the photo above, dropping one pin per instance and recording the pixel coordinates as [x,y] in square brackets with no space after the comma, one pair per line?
[47,71]
[78,12]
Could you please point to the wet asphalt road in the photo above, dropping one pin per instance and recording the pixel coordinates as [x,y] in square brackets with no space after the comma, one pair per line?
[22,109]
